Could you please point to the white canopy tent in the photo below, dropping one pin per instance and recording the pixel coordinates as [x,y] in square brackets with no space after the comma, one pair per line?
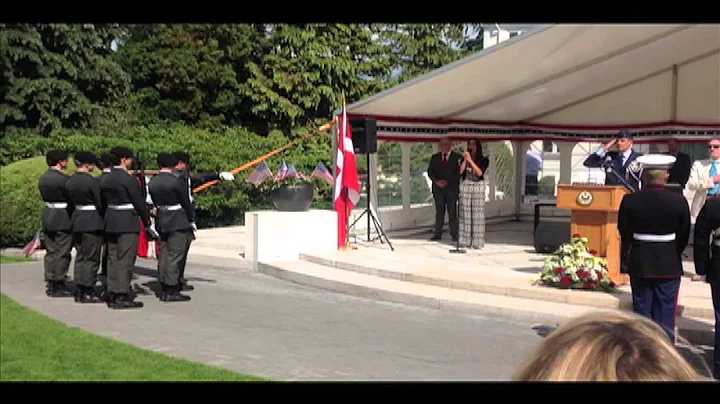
[564,83]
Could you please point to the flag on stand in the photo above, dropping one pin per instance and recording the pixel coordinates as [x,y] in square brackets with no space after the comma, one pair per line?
[33,245]
[262,172]
[347,183]
[323,173]
[282,172]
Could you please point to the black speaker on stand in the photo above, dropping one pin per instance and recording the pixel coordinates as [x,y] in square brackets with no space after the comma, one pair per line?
[364,137]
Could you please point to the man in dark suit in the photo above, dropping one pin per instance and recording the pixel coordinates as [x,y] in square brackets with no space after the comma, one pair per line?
[56,223]
[182,171]
[444,171]
[621,162]
[175,223]
[654,226]
[126,207]
[707,261]
[680,171]
[87,226]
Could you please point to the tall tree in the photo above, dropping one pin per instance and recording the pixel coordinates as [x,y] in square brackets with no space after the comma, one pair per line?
[58,75]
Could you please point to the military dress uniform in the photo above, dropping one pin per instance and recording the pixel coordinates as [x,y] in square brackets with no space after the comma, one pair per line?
[613,162]
[57,229]
[654,226]
[706,251]
[87,225]
[175,225]
[102,276]
[125,209]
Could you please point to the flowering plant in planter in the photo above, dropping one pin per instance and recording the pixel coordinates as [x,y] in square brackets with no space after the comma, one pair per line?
[574,266]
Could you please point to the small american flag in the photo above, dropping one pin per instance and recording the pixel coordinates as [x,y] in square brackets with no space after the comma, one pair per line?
[323,173]
[262,172]
[33,245]
[293,173]
[282,172]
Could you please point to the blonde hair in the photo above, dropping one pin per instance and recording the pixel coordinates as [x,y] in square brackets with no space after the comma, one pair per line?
[607,347]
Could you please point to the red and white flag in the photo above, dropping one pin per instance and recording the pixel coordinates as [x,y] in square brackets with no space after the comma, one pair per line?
[33,245]
[347,183]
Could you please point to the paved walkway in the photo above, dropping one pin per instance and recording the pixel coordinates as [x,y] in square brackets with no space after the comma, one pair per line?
[252,323]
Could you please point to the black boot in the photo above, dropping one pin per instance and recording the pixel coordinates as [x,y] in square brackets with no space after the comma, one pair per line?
[172,294]
[86,294]
[122,301]
[58,289]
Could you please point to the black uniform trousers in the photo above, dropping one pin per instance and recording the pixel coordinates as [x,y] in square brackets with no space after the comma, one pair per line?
[102,277]
[122,254]
[183,261]
[171,263]
[446,197]
[88,248]
[58,248]
[715,288]
[656,298]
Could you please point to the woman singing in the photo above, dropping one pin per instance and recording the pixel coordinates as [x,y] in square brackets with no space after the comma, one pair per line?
[472,196]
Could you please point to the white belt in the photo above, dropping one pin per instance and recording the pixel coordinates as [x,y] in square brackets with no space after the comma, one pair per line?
[170,207]
[127,206]
[654,238]
[56,205]
[85,207]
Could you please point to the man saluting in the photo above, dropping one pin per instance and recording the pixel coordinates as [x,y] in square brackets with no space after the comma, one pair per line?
[654,226]
[621,166]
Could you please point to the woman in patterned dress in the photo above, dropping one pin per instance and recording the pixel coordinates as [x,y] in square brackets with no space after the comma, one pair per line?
[472,196]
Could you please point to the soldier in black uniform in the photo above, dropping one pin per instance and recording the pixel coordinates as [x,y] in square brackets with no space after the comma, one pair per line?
[106,166]
[175,223]
[654,226]
[56,223]
[182,170]
[125,208]
[87,226]
[706,251]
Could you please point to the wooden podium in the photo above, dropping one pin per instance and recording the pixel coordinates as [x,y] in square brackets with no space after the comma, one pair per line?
[594,215]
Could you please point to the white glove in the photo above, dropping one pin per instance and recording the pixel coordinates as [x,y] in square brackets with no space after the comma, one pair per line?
[193,226]
[226,176]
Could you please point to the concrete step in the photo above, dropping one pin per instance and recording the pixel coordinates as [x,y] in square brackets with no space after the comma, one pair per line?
[483,282]
[696,331]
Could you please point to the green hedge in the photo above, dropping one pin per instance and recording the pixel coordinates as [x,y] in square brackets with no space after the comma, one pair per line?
[221,205]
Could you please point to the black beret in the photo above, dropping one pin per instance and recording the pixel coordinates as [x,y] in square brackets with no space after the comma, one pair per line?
[84,157]
[122,152]
[106,160]
[182,156]
[166,160]
[55,156]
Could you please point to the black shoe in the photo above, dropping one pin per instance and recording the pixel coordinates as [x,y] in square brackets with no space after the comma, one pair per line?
[122,301]
[86,294]
[172,294]
[186,287]
[58,289]
[435,238]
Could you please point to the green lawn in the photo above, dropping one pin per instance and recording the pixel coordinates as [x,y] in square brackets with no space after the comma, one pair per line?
[4,259]
[34,347]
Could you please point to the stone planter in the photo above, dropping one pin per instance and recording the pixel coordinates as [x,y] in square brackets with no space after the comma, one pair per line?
[293,197]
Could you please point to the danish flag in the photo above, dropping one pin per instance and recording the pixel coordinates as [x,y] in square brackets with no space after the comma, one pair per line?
[347,183]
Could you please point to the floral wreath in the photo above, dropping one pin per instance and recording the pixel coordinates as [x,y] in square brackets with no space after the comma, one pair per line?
[574,266]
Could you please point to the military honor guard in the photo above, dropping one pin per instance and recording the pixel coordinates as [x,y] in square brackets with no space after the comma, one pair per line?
[654,226]
[105,164]
[87,226]
[126,207]
[706,251]
[182,171]
[621,165]
[175,223]
[56,225]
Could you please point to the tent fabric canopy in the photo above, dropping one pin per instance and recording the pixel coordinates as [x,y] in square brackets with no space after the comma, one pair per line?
[565,82]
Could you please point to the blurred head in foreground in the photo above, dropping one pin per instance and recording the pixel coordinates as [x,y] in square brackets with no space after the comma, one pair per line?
[607,347]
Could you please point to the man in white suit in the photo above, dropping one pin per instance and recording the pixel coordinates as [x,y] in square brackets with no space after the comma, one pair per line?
[704,181]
